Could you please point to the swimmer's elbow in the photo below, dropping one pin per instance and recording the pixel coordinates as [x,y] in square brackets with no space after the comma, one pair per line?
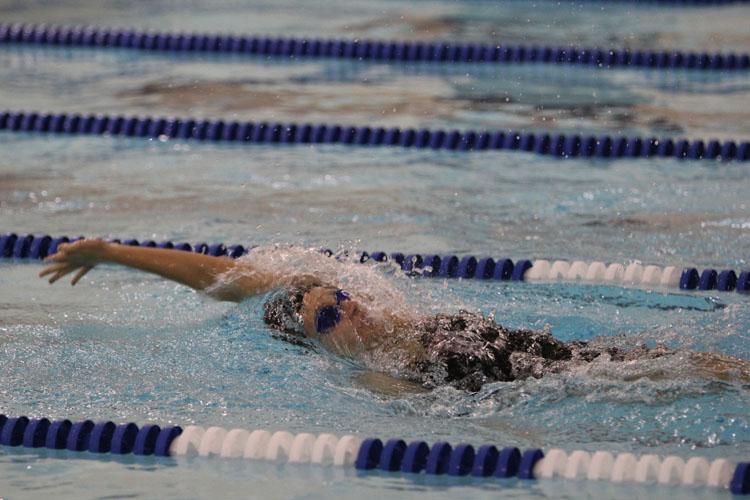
[239,283]
[228,294]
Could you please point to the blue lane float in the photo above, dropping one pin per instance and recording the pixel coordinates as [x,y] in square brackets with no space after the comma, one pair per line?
[85,435]
[391,51]
[393,456]
[248,133]
[37,247]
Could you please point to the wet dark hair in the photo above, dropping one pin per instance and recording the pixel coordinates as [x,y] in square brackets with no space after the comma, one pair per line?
[282,311]
[468,350]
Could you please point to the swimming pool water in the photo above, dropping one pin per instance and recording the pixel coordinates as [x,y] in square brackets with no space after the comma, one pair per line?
[126,346]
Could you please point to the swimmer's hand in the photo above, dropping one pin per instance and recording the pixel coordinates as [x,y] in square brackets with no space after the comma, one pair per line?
[81,256]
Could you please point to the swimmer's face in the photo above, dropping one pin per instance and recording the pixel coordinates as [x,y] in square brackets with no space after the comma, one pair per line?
[346,323]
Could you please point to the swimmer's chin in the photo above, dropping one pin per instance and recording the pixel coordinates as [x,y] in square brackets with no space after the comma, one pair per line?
[386,385]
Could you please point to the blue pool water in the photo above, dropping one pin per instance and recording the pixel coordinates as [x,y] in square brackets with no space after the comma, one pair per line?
[126,346]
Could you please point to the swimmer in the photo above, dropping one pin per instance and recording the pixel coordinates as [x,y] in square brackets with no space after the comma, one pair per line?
[465,350]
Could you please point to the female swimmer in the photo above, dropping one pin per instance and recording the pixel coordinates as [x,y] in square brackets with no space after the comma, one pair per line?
[465,350]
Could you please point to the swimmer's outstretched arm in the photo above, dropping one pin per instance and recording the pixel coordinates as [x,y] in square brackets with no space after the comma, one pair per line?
[195,270]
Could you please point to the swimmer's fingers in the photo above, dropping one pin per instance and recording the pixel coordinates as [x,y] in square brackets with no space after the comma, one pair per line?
[52,269]
[63,271]
[80,274]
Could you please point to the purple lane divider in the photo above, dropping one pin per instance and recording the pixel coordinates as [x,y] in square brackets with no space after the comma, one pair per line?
[382,51]
[248,133]
[447,266]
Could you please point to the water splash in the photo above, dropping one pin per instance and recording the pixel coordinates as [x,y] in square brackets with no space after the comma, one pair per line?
[380,286]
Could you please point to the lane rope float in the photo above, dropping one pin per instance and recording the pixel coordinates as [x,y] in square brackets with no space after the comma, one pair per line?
[37,247]
[558,145]
[363,50]
[392,455]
